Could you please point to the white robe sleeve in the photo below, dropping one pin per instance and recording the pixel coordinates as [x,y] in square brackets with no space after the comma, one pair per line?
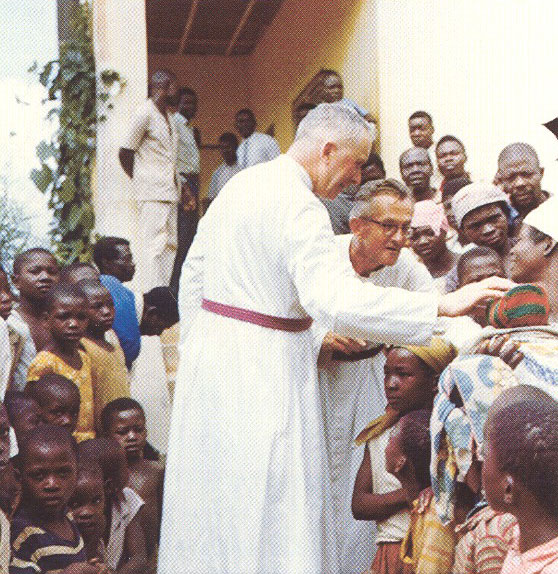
[190,290]
[356,309]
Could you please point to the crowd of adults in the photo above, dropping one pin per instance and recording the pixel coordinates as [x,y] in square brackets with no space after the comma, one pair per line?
[368,366]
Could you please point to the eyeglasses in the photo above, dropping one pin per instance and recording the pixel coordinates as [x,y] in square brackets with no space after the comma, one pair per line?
[391,228]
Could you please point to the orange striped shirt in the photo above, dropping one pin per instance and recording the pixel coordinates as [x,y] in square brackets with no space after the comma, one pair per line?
[485,539]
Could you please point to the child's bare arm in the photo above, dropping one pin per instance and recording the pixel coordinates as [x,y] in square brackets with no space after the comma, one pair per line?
[369,506]
[134,549]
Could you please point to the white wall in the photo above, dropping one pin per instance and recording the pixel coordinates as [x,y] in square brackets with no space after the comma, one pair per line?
[485,69]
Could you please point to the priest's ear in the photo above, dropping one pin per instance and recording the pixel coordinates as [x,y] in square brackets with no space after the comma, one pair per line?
[329,149]
[356,225]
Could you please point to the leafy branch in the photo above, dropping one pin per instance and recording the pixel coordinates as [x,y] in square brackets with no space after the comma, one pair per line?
[67,160]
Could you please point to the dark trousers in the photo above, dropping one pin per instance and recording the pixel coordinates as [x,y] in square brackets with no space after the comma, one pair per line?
[187,224]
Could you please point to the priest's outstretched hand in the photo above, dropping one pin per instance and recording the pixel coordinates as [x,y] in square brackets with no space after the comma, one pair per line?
[464,299]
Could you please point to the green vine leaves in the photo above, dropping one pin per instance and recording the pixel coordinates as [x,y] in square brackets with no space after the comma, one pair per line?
[68,159]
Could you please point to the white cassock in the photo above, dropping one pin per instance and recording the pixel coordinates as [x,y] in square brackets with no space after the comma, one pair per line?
[246,487]
[352,394]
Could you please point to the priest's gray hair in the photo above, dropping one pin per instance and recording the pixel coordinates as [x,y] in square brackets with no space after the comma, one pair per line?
[363,202]
[333,122]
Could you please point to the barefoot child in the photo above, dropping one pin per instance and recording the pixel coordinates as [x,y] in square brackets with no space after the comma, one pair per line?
[66,320]
[44,538]
[124,420]
[108,364]
[428,545]
[34,273]
[123,537]
[520,475]
[411,375]
[58,398]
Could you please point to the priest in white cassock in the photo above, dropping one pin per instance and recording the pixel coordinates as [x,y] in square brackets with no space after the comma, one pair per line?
[351,373]
[246,487]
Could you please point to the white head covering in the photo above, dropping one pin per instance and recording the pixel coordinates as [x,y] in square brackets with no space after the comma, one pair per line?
[476,195]
[545,218]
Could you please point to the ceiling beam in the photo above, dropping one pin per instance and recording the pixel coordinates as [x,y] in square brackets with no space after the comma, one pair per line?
[188,26]
[240,26]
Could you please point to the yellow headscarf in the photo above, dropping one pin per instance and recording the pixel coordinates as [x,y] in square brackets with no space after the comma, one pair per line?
[438,355]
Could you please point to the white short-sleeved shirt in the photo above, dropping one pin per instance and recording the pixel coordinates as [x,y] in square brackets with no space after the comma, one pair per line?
[154,138]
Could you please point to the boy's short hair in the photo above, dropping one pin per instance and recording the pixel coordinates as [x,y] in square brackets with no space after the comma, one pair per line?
[450,138]
[164,302]
[15,402]
[66,272]
[39,390]
[414,428]
[46,435]
[480,252]
[105,248]
[524,437]
[22,258]
[118,406]
[62,291]
[421,114]
[104,451]
[89,468]
[87,286]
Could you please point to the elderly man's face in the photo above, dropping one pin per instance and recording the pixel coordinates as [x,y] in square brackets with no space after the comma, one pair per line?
[451,159]
[383,232]
[486,225]
[521,180]
[416,169]
[342,166]
[527,258]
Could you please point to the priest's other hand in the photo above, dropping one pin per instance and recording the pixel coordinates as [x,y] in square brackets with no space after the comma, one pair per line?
[461,301]
[334,342]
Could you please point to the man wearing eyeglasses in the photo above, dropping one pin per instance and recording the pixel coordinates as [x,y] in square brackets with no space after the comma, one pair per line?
[351,371]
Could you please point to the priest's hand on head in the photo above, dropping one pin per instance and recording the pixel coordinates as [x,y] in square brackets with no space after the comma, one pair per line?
[334,342]
[461,301]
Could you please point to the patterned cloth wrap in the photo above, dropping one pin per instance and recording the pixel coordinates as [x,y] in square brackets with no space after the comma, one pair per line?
[479,380]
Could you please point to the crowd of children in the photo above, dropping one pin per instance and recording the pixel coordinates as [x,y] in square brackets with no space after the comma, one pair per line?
[78,494]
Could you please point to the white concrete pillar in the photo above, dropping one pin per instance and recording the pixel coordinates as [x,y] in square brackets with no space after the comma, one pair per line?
[120,43]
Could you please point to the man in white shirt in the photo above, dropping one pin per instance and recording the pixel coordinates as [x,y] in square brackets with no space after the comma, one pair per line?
[148,157]
[246,486]
[228,144]
[351,384]
[188,168]
[255,147]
